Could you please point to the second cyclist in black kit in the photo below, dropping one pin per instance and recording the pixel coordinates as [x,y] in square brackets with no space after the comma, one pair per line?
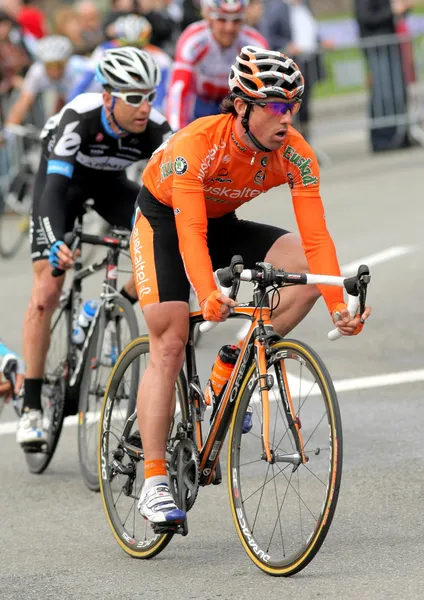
[86,149]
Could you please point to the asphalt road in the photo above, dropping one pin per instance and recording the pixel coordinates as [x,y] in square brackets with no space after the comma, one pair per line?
[54,539]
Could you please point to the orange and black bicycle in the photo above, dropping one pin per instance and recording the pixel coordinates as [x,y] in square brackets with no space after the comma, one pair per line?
[283,475]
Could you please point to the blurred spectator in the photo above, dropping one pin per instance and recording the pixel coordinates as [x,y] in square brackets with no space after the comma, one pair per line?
[388,97]
[14,8]
[67,22]
[90,21]
[290,27]
[191,12]
[14,58]
[32,20]
[254,13]
[172,9]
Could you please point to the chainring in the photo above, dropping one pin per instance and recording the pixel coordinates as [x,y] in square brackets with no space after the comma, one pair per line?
[184,472]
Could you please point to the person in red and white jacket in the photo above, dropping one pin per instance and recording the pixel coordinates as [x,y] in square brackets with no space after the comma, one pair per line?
[204,54]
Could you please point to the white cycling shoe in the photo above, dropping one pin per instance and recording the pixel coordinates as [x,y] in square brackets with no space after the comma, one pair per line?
[157,506]
[30,428]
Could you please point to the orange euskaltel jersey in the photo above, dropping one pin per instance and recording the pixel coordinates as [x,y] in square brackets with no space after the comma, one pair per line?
[205,171]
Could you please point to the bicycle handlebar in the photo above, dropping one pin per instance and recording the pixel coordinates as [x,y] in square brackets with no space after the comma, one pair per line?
[266,275]
[74,239]
[23,131]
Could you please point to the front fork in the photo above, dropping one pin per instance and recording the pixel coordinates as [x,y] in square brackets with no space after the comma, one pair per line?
[266,383]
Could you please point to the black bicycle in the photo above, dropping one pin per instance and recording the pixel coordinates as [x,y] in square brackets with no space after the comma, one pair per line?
[75,375]
[283,475]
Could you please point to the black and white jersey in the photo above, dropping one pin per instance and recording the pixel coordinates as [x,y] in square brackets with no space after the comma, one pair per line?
[78,141]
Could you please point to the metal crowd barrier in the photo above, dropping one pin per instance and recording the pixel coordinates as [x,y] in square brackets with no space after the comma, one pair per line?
[376,85]
[14,147]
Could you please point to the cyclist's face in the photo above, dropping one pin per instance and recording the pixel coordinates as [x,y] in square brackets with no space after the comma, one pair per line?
[55,70]
[270,128]
[225,31]
[133,119]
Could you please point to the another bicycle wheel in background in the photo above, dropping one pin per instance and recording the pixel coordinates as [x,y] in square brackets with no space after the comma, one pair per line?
[14,216]
[121,472]
[116,326]
[53,391]
[283,509]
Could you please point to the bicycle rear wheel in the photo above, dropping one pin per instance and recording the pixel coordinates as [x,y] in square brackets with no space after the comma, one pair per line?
[14,214]
[121,491]
[119,315]
[283,510]
[14,230]
[53,392]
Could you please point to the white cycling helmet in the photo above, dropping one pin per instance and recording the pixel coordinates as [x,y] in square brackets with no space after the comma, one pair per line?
[259,73]
[224,9]
[128,69]
[53,48]
[132,28]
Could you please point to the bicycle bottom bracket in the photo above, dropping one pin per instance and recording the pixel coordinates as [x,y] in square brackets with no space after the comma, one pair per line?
[184,473]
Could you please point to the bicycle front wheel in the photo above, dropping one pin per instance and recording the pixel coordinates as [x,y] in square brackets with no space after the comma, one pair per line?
[121,476]
[118,323]
[283,509]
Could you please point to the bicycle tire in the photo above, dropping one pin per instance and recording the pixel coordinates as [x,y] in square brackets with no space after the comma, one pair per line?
[88,389]
[53,392]
[20,231]
[240,501]
[137,548]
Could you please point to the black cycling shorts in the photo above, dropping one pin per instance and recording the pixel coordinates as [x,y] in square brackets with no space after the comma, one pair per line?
[114,197]
[161,276]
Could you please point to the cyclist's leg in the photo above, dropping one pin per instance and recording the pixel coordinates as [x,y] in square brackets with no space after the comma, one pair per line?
[163,292]
[45,294]
[259,242]
[118,213]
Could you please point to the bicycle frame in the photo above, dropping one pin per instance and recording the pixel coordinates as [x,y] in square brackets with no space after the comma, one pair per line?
[253,350]
[72,299]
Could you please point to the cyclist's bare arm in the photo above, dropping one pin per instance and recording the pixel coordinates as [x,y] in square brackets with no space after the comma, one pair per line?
[20,108]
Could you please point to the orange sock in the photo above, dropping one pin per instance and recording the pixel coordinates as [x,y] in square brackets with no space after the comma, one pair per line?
[155,467]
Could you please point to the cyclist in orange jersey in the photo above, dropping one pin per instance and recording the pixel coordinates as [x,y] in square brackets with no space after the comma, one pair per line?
[186,226]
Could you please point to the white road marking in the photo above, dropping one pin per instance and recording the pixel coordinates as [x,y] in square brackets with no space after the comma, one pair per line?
[343,385]
[10,426]
[377,258]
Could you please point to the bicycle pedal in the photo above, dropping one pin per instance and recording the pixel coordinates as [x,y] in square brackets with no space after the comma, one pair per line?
[34,448]
[162,528]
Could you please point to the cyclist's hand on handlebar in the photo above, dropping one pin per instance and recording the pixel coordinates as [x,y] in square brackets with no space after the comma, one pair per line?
[60,256]
[345,324]
[217,306]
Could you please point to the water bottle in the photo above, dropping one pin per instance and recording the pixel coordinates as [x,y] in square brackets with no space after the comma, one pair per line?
[247,420]
[221,372]
[85,317]
[110,347]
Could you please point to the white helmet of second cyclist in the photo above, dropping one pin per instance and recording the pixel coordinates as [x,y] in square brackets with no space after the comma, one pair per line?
[128,68]
[224,9]
[132,29]
[53,48]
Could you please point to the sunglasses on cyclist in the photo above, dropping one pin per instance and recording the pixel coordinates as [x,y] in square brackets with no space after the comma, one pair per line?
[135,43]
[280,108]
[135,100]
[55,64]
